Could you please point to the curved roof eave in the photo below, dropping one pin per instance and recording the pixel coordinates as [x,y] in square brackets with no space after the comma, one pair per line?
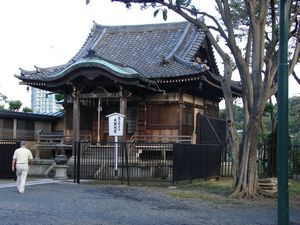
[120,71]
[117,70]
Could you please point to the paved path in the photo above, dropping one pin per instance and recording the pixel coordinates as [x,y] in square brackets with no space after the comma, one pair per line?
[49,202]
[7,183]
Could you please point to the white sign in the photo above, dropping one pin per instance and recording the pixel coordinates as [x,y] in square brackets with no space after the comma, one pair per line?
[116,123]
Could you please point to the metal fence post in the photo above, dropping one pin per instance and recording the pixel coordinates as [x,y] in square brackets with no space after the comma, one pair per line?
[75,163]
[78,161]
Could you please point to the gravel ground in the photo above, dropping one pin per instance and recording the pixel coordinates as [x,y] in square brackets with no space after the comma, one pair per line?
[85,204]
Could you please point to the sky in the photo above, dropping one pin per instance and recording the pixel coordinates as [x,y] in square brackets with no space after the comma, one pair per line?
[47,33]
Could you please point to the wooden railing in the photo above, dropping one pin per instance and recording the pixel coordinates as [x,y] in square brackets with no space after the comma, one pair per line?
[9,134]
[162,138]
[49,141]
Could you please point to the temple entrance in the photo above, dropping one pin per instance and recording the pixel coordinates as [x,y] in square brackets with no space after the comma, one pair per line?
[93,123]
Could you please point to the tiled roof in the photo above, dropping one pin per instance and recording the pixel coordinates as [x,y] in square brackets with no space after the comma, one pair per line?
[30,115]
[147,51]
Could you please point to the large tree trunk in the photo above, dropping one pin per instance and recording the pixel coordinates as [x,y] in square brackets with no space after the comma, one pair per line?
[244,168]
[245,179]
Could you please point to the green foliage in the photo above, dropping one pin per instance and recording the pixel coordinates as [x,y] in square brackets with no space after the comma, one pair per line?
[164,13]
[239,14]
[214,191]
[184,3]
[294,122]
[2,107]
[239,116]
[27,109]
[156,12]
[15,105]
[270,108]
[222,114]
[268,123]
[59,96]
[294,188]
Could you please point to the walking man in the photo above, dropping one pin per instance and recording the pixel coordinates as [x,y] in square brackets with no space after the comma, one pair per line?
[21,158]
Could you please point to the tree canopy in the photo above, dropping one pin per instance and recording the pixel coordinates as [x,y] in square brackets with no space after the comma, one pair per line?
[27,109]
[15,105]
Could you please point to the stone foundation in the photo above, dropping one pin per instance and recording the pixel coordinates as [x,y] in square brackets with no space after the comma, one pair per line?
[41,167]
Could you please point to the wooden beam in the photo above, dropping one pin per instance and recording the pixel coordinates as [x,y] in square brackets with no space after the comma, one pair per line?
[100,95]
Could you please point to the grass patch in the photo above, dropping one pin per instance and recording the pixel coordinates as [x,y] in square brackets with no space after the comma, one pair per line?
[221,186]
[209,190]
[294,188]
[214,191]
[294,193]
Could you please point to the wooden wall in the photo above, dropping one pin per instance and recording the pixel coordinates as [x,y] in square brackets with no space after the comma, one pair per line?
[168,114]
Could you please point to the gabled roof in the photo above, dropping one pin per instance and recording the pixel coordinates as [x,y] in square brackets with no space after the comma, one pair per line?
[138,51]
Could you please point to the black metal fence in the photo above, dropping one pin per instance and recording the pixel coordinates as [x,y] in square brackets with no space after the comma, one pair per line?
[7,149]
[266,161]
[196,161]
[145,161]
[294,160]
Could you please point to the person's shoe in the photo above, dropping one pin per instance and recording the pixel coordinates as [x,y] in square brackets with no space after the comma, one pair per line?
[21,192]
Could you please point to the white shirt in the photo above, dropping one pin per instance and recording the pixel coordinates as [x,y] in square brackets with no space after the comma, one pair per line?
[22,155]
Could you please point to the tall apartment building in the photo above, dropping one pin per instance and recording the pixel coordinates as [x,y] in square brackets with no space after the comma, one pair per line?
[43,101]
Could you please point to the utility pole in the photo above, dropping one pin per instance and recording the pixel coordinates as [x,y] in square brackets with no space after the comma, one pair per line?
[282,133]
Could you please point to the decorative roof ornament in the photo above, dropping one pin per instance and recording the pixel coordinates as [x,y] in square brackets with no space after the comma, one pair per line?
[164,61]
[90,54]
[194,65]
[37,69]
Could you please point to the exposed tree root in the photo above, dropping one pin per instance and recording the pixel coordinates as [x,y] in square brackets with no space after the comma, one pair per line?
[254,194]
[266,194]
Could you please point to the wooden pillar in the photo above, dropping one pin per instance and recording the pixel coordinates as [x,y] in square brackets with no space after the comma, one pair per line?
[37,150]
[180,113]
[76,119]
[98,120]
[123,109]
[195,111]
[180,119]
[66,115]
[15,128]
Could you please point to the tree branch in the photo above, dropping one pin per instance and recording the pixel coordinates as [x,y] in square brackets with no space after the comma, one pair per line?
[296,55]
[296,77]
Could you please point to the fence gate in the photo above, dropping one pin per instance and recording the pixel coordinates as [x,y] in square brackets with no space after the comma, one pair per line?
[7,149]
[210,130]
[196,161]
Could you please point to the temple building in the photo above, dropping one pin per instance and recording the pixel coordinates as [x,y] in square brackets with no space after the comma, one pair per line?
[160,76]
